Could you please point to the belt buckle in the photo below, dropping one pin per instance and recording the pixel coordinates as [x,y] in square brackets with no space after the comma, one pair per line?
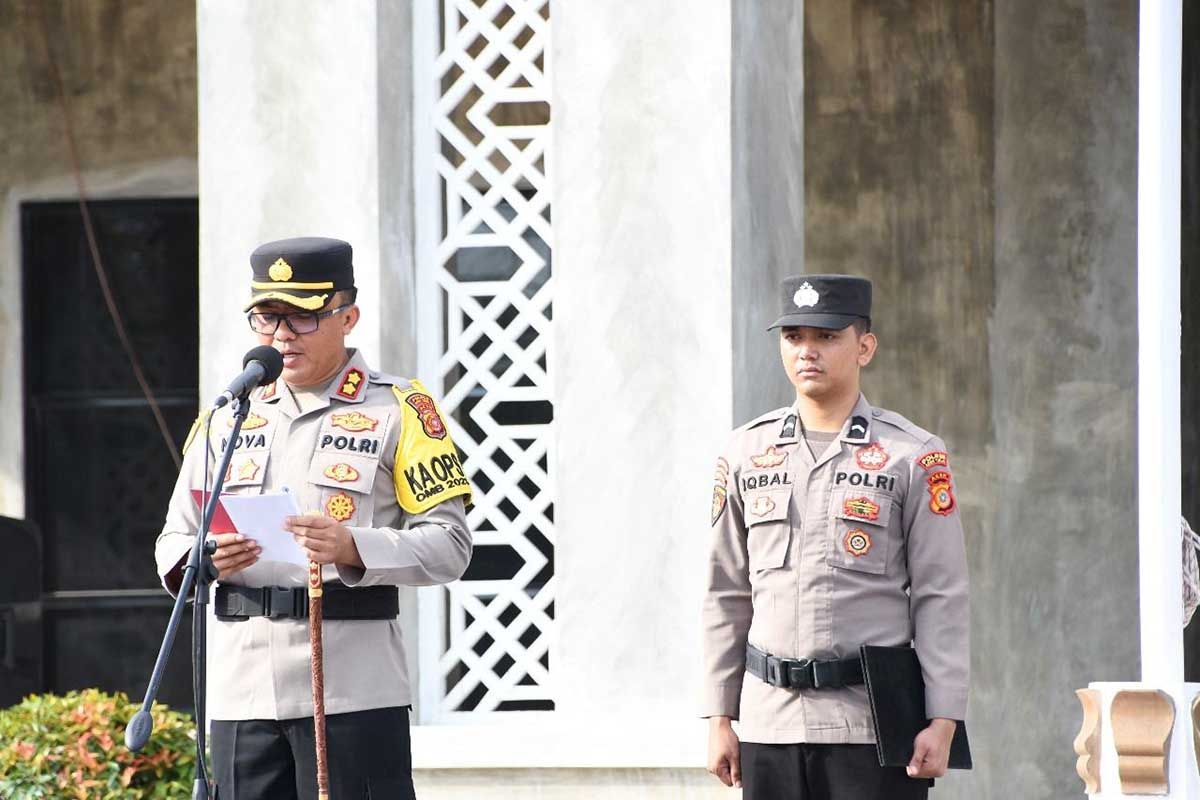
[278,603]
[777,671]
[801,674]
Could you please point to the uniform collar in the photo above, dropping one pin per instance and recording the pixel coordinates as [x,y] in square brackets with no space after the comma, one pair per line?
[855,430]
[348,386]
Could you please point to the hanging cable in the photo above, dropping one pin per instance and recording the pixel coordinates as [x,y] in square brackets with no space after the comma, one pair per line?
[101,273]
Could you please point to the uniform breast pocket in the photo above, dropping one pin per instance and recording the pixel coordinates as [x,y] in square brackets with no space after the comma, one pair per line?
[768,532]
[345,483]
[861,530]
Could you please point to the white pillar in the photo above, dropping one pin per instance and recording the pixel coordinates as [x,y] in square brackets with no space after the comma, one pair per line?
[289,145]
[1159,456]
[643,323]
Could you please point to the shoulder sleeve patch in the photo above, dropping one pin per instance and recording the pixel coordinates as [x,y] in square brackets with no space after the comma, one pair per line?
[427,469]
[196,426]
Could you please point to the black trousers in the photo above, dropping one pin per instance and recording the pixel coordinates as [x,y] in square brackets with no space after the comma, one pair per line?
[823,772]
[370,756]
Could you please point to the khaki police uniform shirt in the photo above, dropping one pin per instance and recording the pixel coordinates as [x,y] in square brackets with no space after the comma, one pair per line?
[371,451]
[810,559]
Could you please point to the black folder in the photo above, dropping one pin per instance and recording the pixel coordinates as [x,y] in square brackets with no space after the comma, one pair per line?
[897,693]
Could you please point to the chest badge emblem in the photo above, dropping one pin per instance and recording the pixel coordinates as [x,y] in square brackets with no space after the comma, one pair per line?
[342,473]
[772,457]
[861,508]
[858,543]
[941,493]
[806,296]
[340,507]
[253,421]
[872,457]
[762,506]
[248,471]
[354,421]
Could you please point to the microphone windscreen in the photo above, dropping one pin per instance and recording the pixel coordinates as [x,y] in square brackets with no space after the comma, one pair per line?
[271,360]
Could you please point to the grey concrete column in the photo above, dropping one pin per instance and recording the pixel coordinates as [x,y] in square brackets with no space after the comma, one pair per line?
[304,130]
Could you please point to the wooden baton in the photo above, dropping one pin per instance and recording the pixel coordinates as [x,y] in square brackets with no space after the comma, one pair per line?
[315,590]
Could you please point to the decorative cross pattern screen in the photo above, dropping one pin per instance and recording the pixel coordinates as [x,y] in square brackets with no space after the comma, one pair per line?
[484,244]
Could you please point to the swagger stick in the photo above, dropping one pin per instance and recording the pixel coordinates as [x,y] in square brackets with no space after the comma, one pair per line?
[318,676]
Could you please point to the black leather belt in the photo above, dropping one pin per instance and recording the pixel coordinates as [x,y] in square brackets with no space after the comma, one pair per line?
[238,603]
[803,673]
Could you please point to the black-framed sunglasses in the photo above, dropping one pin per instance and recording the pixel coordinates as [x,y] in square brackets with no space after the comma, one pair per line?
[298,323]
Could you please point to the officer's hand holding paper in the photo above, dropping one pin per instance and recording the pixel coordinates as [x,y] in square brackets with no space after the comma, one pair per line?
[262,517]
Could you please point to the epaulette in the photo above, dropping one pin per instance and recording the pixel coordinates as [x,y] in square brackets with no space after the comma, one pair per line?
[194,430]
[903,423]
[770,416]
[384,379]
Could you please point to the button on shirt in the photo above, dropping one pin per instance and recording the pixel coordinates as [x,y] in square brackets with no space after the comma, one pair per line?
[813,557]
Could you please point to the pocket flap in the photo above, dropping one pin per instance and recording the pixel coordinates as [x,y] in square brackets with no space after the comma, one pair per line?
[863,506]
[767,507]
[343,471]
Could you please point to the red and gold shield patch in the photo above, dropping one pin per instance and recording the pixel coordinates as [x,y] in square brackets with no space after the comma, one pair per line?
[872,457]
[354,421]
[341,472]
[431,420]
[771,457]
[858,542]
[340,507]
[352,384]
[935,459]
[861,508]
[941,493]
[718,502]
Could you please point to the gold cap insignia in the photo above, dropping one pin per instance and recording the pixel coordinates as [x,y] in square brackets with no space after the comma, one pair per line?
[280,270]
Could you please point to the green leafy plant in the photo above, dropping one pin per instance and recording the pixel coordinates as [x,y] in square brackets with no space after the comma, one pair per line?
[73,747]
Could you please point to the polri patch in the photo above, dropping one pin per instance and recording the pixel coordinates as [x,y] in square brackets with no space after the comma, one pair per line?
[935,459]
[872,457]
[771,457]
[431,420]
[861,508]
[941,493]
[857,542]
[351,385]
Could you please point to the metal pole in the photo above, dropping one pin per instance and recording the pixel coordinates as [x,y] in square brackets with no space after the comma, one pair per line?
[1160,66]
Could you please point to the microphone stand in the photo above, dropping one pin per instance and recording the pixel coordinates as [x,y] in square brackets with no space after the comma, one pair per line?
[201,573]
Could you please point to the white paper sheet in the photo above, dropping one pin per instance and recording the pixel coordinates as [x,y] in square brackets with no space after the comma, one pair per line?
[260,517]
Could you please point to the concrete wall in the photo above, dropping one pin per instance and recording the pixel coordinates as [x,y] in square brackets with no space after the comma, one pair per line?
[129,72]
[980,167]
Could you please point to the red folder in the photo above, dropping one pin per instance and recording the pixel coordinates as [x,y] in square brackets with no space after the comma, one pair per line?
[221,523]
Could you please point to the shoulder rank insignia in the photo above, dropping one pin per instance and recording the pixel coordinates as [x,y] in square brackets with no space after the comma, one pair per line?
[858,543]
[431,421]
[771,457]
[352,384]
[354,421]
[861,508]
[935,459]
[941,493]
[872,457]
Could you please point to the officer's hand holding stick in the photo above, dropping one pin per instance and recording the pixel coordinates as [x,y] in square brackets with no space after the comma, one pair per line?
[723,752]
[324,541]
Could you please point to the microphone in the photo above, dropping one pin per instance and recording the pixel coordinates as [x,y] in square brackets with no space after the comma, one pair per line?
[263,365]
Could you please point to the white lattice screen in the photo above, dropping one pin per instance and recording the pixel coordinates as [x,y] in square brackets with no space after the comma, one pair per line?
[482,132]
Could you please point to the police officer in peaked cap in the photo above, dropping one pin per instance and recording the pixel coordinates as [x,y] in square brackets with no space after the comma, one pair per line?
[834,524]
[382,493]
